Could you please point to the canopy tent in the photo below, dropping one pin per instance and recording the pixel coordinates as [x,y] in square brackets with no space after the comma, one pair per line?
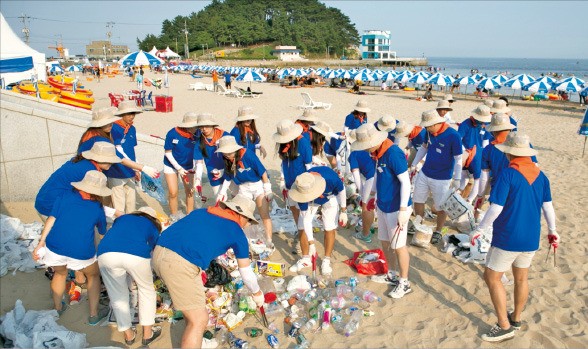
[168,53]
[154,51]
[17,60]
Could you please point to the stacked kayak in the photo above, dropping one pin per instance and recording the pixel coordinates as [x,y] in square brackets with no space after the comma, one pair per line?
[82,98]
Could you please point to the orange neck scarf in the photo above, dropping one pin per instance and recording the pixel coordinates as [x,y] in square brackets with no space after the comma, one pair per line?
[500,137]
[471,154]
[359,117]
[289,145]
[415,132]
[386,144]
[90,134]
[241,153]
[247,129]
[218,133]
[305,128]
[96,165]
[224,213]
[474,121]
[124,125]
[526,167]
[444,127]
[185,134]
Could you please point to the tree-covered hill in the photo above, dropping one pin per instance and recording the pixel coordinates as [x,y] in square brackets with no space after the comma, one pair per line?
[308,24]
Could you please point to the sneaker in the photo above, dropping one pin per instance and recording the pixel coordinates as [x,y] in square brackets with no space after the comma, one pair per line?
[515,324]
[326,266]
[400,290]
[154,335]
[429,214]
[301,264]
[94,320]
[360,236]
[498,334]
[436,237]
[391,279]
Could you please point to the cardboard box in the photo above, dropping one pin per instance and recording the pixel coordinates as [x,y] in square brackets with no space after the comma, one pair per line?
[164,104]
[270,268]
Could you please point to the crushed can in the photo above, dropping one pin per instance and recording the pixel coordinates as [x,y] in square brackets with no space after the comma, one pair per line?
[294,329]
[240,343]
[273,341]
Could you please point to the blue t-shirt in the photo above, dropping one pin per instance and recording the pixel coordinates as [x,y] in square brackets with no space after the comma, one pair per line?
[182,149]
[72,235]
[293,168]
[440,154]
[128,142]
[334,186]
[87,145]
[59,184]
[130,234]
[362,160]
[333,146]
[200,237]
[388,167]
[473,135]
[496,161]
[419,139]
[352,123]
[212,160]
[249,169]
[248,143]
[391,134]
[227,79]
[518,226]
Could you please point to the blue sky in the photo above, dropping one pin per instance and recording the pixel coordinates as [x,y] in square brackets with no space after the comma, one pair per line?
[525,29]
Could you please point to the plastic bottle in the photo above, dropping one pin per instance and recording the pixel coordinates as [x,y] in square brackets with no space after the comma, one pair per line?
[273,327]
[353,324]
[274,309]
[308,326]
[338,302]
[367,295]
[344,290]
[326,318]
[294,329]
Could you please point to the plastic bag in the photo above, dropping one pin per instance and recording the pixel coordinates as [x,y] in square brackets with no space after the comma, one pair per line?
[154,188]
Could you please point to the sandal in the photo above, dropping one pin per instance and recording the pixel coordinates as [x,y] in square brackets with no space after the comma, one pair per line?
[131,341]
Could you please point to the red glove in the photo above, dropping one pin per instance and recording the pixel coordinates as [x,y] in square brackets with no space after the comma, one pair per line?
[371,204]
[285,194]
[479,203]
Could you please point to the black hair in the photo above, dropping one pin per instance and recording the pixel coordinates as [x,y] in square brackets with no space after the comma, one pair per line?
[253,138]
[231,166]
[504,99]
[292,152]
[97,132]
[317,142]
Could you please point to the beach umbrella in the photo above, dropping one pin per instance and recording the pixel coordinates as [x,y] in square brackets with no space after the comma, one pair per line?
[363,76]
[467,80]
[523,78]
[346,75]
[478,76]
[439,79]
[418,79]
[330,74]
[56,69]
[404,76]
[499,78]
[73,68]
[488,84]
[298,72]
[537,86]
[568,86]
[389,75]
[139,58]
[250,75]
[574,80]
[546,79]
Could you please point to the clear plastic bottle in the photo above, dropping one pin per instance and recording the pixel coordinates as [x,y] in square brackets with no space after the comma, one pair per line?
[273,327]
[367,295]
[326,317]
[353,324]
[309,326]
[338,302]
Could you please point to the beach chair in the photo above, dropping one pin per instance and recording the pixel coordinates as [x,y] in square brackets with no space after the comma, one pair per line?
[115,99]
[224,92]
[196,86]
[209,87]
[147,102]
[244,93]
[310,104]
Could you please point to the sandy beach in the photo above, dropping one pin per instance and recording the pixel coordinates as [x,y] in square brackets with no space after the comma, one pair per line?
[450,306]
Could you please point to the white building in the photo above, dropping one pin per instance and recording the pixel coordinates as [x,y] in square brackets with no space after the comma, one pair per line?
[287,53]
[375,44]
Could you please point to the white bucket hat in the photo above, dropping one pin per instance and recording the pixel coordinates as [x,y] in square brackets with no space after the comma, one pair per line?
[517,144]
[482,113]
[499,122]
[387,123]
[322,128]
[103,116]
[190,119]
[444,104]
[94,182]
[367,136]
[430,118]
[362,106]
[242,205]
[102,152]
[307,187]
[246,113]
[148,210]
[403,129]
[449,98]
[227,145]
[286,131]
[128,107]
[489,103]
[206,119]
[308,115]
[499,106]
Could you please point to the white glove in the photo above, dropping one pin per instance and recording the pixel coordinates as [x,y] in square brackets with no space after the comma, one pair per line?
[150,171]
[217,174]
[267,191]
[342,219]
[455,184]
[182,172]
[311,250]
[282,183]
[403,217]
[259,299]
[221,198]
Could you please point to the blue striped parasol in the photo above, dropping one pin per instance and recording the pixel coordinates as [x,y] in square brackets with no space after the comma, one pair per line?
[569,86]
[439,79]
[488,84]
[139,58]
[537,86]
[574,80]
[404,76]
[389,75]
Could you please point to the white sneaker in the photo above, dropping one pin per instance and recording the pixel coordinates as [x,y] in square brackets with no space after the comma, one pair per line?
[301,264]
[391,279]
[326,266]
[400,290]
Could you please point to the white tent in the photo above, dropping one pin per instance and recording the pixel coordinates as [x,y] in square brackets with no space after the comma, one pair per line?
[170,54]
[153,50]
[13,49]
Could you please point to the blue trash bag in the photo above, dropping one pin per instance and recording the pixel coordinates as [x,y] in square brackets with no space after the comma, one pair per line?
[154,188]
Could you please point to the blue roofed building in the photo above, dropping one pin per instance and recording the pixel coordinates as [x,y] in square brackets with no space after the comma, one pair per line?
[375,45]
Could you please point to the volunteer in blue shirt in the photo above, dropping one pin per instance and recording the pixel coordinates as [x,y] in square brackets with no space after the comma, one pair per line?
[387,124]
[67,240]
[99,158]
[442,169]
[320,132]
[363,170]
[474,138]
[179,161]
[392,202]
[228,76]
[517,199]
[501,106]
[307,119]
[358,117]
[188,246]
[207,138]
[99,129]
[244,168]
[320,187]
[416,137]
[295,152]
[125,251]
[245,131]
[336,150]
[121,178]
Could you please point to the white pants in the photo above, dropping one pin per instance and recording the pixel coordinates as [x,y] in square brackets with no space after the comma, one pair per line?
[115,267]
[124,194]
[388,229]
[437,187]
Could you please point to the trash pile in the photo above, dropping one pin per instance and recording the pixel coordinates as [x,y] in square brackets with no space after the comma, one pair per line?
[17,241]
[37,329]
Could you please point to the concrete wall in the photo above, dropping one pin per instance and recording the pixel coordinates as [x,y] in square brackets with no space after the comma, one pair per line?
[37,137]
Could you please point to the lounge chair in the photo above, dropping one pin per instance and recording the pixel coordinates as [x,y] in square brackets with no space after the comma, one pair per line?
[245,93]
[196,76]
[147,101]
[224,92]
[196,86]
[310,104]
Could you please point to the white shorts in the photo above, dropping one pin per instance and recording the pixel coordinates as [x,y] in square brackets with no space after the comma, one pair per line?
[424,185]
[52,259]
[500,260]
[169,170]
[251,190]
[388,229]
[329,212]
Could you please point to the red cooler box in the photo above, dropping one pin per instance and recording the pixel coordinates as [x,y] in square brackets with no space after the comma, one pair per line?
[164,104]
